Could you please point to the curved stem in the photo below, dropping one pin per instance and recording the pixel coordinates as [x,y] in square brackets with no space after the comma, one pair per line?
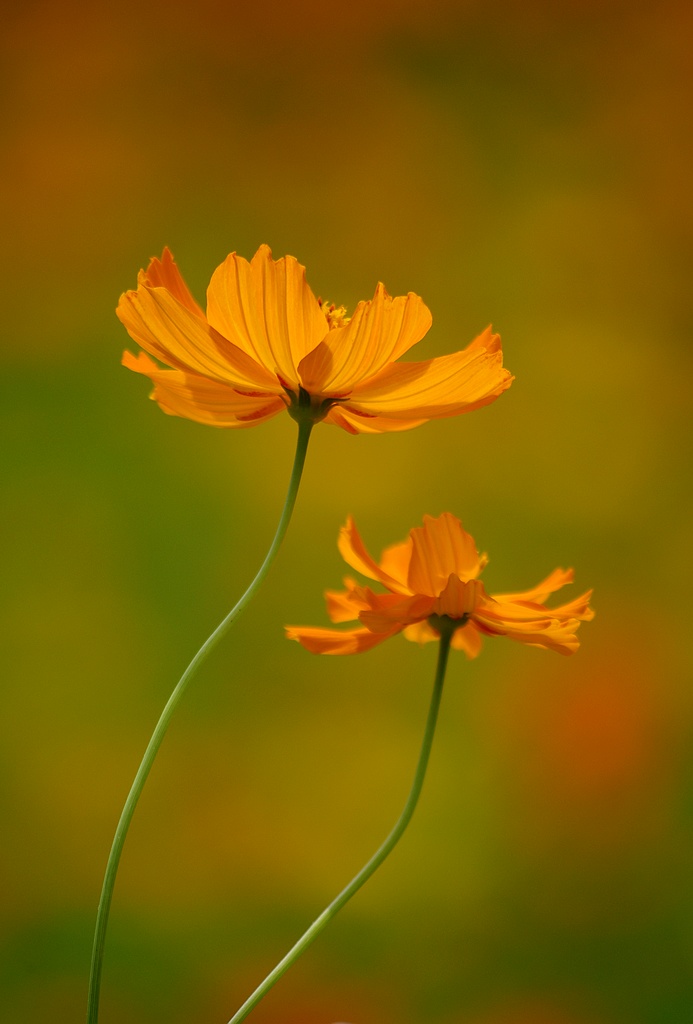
[304,430]
[378,857]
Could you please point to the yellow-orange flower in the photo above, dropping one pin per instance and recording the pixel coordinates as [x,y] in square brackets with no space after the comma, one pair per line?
[433,575]
[267,344]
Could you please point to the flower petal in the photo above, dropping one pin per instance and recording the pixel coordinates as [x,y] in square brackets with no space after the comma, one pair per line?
[354,553]
[525,611]
[392,612]
[164,273]
[579,608]
[552,628]
[446,386]
[346,605]
[267,308]
[420,632]
[395,560]
[365,423]
[334,641]
[468,639]
[169,331]
[553,634]
[441,547]
[380,331]
[553,582]
[200,399]
[459,598]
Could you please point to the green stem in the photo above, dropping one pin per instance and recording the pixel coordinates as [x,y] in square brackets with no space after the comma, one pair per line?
[305,426]
[381,853]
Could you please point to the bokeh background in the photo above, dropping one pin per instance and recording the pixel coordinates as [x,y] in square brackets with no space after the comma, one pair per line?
[526,163]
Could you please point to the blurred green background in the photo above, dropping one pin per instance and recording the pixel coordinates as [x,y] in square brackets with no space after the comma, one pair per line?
[526,163]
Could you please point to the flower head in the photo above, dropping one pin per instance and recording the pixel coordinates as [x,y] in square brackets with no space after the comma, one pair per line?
[266,344]
[434,576]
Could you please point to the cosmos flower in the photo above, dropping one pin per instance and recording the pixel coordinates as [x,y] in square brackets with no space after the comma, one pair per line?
[266,344]
[434,576]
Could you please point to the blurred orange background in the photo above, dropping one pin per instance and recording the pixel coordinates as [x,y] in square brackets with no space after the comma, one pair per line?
[522,163]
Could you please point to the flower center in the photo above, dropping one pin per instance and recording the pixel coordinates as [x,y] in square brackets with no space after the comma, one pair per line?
[335,315]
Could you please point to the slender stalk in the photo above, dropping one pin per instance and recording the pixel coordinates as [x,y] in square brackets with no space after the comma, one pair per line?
[381,853]
[305,426]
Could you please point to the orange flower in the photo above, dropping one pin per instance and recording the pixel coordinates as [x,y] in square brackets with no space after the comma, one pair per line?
[267,344]
[433,575]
